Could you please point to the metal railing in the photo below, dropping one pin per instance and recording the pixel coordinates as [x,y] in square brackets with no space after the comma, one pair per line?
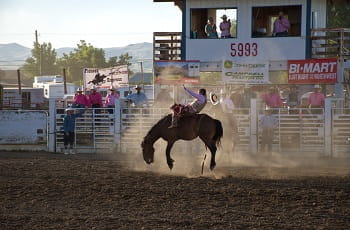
[330,43]
[166,46]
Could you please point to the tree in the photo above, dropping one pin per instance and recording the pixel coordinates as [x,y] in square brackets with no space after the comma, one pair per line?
[338,14]
[42,61]
[85,56]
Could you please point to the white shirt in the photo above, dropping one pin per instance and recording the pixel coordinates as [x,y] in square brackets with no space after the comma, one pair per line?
[227,105]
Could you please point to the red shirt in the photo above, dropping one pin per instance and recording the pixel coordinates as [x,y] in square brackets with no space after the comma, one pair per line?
[273,100]
[81,99]
[95,98]
[316,99]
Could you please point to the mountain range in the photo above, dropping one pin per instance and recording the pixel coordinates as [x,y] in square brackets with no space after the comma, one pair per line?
[13,55]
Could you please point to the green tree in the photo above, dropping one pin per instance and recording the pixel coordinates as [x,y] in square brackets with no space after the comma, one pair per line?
[42,61]
[338,14]
[84,56]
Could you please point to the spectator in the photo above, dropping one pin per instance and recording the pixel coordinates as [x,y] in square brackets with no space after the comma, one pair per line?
[316,100]
[80,100]
[225,27]
[281,26]
[210,29]
[273,100]
[69,129]
[110,100]
[194,107]
[293,100]
[95,99]
[246,97]
[228,108]
[138,98]
[267,123]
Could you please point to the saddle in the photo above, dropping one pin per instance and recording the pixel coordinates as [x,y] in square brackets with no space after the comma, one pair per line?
[181,110]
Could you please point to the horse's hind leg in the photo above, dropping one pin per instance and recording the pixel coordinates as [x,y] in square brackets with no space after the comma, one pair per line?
[169,161]
[212,147]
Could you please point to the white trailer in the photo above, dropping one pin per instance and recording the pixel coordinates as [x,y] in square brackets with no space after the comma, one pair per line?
[28,98]
[56,90]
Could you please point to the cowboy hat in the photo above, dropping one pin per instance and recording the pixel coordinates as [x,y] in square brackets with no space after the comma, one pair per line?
[111,88]
[224,16]
[317,87]
[79,90]
[69,109]
[214,99]
[137,87]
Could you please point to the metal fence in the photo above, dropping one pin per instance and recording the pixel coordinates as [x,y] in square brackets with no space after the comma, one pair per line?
[94,131]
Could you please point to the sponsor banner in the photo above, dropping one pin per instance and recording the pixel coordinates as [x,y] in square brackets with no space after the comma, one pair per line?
[117,77]
[313,71]
[248,72]
[176,72]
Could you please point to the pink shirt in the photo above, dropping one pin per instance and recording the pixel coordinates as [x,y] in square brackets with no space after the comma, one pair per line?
[225,28]
[110,99]
[273,100]
[281,25]
[81,99]
[95,98]
[316,99]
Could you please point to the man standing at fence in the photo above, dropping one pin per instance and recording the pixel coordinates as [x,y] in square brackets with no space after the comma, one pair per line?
[316,100]
[268,123]
[95,99]
[110,100]
[69,129]
[80,100]
[138,98]
[273,100]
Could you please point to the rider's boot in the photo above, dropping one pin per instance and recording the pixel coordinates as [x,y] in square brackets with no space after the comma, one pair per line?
[174,120]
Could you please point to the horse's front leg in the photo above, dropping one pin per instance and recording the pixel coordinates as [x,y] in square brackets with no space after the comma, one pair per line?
[169,161]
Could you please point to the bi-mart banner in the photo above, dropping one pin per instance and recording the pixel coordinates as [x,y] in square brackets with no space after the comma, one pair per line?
[250,72]
[312,71]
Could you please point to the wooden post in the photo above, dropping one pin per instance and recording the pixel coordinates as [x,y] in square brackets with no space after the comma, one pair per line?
[19,82]
[64,81]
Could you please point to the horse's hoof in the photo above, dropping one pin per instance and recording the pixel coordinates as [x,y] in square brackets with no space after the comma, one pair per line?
[170,164]
[212,166]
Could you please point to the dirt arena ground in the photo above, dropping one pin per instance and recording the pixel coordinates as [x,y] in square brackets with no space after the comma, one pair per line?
[98,191]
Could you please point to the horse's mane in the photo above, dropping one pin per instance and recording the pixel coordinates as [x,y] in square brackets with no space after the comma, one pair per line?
[156,125]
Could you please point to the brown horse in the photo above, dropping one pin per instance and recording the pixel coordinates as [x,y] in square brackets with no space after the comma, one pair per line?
[209,130]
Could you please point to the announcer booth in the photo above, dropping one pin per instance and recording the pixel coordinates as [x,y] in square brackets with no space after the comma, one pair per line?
[254,56]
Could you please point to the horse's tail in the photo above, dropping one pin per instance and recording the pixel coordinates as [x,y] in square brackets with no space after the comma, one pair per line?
[219,132]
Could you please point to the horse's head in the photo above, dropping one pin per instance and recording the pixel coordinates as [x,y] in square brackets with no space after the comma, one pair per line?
[148,151]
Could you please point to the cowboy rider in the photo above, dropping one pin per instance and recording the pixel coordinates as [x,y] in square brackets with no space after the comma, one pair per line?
[192,108]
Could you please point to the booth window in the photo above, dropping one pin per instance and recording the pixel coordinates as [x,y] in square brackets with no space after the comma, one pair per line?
[199,18]
[264,18]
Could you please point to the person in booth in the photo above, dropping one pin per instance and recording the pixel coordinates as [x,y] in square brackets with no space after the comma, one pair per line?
[281,25]
[225,27]
[210,28]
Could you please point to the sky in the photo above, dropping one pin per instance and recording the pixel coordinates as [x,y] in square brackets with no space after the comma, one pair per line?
[102,23]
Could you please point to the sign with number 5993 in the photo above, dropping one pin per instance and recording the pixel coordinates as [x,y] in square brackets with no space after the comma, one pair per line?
[244,49]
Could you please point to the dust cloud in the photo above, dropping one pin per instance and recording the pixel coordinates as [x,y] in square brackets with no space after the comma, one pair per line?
[240,163]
